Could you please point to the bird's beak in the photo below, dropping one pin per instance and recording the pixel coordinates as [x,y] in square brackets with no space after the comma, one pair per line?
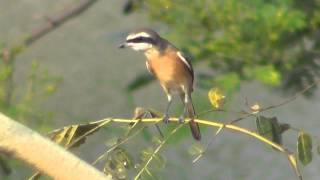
[123,45]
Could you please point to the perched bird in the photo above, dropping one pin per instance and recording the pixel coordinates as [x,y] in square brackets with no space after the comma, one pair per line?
[170,67]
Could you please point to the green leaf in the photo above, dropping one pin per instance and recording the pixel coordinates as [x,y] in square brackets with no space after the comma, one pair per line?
[158,162]
[140,81]
[304,148]
[266,74]
[237,36]
[276,131]
[117,163]
[196,149]
[75,135]
[228,82]
[123,157]
[264,127]
[284,127]
[270,128]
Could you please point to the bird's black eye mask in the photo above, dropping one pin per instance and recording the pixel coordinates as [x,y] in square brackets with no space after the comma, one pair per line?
[142,40]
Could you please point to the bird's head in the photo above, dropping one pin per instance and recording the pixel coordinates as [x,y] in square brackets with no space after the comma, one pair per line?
[142,40]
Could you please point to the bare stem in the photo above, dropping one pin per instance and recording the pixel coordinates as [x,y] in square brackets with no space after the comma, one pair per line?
[54,22]
[291,158]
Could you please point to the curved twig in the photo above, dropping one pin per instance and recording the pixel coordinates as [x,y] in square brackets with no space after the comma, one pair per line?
[290,156]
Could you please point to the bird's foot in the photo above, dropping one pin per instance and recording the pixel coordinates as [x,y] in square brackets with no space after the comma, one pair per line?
[181,119]
[165,119]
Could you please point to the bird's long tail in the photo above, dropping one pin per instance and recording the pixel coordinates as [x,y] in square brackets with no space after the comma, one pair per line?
[195,130]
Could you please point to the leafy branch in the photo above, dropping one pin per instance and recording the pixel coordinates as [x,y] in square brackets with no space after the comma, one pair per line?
[144,168]
[78,138]
[120,142]
[216,99]
[235,128]
[269,132]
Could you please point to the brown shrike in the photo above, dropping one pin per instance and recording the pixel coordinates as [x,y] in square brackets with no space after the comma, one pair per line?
[170,67]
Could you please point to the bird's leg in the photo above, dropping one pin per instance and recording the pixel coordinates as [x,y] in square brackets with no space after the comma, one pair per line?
[182,116]
[165,118]
[185,102]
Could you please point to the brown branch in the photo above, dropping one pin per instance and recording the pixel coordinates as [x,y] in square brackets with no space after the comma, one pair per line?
[57,20]
[53,22]
[248,114]
[291,157]
[284,102]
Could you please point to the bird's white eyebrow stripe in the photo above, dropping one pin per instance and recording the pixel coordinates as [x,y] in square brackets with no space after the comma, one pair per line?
[184,60]
[141,34]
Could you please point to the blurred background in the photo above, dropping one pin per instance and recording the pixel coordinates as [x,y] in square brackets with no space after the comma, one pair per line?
[256,51]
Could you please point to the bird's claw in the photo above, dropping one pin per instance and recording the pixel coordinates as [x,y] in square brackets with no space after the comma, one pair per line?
[181,119]
[165,119]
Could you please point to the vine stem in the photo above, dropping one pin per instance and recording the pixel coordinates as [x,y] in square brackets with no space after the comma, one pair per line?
[156,151]
[290,156]
[211,123]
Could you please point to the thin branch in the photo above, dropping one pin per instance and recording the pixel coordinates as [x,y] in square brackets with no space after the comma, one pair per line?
[198,115]
[156,151]
[122,141]
[211,123]
[246,114]
[150,174]
[295,96]
[53,22]
[57,20]
[284,102]
[139,113]
[230,127]
[208,145]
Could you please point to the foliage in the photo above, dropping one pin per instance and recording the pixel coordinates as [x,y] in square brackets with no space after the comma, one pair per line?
[75,135]
[39,86]
[268,41]
[23,102]
[304,147]
[271,128]
[273,42]
[121,163]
